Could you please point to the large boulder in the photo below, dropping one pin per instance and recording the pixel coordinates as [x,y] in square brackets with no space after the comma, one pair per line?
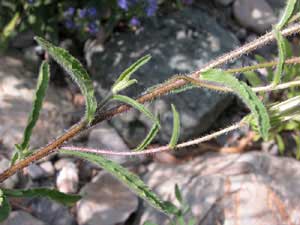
[253,188]
[179,42]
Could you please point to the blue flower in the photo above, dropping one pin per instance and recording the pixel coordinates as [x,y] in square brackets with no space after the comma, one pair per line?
[123,4]
[69,12]
[30,1]
[151,7]
[69,24]
[92,11]
[134,22]
[93,28]
[82,13]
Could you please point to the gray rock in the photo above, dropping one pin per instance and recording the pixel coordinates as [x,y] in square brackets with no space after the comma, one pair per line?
[252,188]
[179,43]
[224,2]
[17,85]
[21,217]
[11,181]
[277,3]
[35,172]
[256,15]
[68,178]
[51,213]
[48,167]
[105,201]
[59,164]
[105,136]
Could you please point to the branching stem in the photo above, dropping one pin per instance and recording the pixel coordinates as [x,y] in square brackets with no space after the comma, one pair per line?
[101,116]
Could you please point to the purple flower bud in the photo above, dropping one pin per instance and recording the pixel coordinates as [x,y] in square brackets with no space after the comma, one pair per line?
[151,7]
[134,22]
[123,4]
[82,13]
[93,28]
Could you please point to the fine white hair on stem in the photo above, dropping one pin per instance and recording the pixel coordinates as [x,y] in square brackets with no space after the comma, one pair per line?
[159,149]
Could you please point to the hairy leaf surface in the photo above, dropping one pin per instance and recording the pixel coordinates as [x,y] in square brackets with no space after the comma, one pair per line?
[129,179]
[245,93]
[40,93]
[52,194]
[77,72]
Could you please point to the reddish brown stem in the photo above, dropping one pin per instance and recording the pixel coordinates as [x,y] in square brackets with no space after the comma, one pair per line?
[77,128]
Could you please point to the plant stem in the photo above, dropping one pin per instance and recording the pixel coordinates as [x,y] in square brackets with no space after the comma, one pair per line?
[159,149]
[101,116]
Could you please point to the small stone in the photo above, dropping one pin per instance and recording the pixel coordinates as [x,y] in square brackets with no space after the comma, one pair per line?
[35,172]
[48,167]
[256,15]
[11,181]
[59,164]
[52,213]
[21,218]
[105,201]
[67,179]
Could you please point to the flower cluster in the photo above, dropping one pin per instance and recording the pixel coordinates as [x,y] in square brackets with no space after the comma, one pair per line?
[150,6]
[85,19]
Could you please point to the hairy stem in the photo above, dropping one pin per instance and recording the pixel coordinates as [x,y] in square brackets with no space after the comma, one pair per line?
[101,116]
[159,149]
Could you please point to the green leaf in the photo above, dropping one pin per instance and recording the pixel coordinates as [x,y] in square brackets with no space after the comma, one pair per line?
[245,93]
[137,105]
[149,223]
[156,126]
[8,30]
[282,56]
[124,79]
[297,141]
[192,221]
[176,128]
[148,139]
[5,207]
[178,194]
[253,78]
[288,11]
[129,179]
[77,72]
[280,144]
[40,93]
[52,194]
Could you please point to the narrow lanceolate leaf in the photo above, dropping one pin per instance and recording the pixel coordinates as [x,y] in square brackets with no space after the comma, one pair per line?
[288,12]
[245,93]
[129,179]
[77,72]
[282,55]
[40,93]
[176,128]
[137,105]
[124,79]
[4,207]
[156,126]
[52,194]
[149,138]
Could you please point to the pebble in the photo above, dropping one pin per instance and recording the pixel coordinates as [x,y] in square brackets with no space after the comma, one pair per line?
[68,179]
[256,15]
